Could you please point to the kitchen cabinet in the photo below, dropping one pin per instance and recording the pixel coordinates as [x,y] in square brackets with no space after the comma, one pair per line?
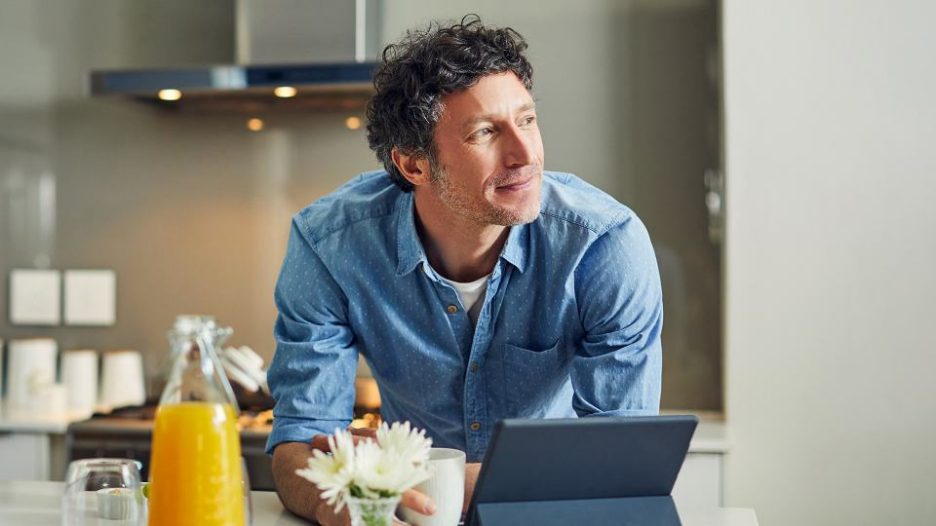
[24,456]
[32,450]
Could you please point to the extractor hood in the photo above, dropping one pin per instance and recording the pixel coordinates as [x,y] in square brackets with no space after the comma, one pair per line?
[291,54]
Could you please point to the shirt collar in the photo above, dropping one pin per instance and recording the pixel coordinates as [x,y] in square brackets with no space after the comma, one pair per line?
[409,249]
[410,252]
[516,248]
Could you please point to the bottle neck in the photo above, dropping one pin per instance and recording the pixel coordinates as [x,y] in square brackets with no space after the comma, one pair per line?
[197,372]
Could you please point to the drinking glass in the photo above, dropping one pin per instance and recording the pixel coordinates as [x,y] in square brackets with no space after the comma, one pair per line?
[103,491]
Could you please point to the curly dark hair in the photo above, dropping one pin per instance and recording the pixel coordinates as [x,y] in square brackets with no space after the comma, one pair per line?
[425,66]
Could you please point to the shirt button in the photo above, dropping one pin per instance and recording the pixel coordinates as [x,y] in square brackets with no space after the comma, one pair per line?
[474,367]
[475,426]
[452,309]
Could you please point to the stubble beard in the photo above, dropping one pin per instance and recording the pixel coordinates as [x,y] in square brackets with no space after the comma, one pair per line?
[479,211]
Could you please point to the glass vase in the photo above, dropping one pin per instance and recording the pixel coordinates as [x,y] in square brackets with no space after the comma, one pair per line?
[372,512]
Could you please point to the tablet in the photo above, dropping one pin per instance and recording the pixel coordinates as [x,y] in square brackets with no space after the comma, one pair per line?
[602,460]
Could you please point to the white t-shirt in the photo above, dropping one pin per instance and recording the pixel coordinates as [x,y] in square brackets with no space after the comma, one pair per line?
[471,295]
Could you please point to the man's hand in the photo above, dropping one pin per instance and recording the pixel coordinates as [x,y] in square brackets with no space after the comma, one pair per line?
[297,494]
[471,479]
[302,497]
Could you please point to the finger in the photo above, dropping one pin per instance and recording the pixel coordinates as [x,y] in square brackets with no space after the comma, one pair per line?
[418,502]
[363,432]
[398,522]
[320,442]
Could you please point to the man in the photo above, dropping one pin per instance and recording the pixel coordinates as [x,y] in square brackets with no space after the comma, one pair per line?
[476,286]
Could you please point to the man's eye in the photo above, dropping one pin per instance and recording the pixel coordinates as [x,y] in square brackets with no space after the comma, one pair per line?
[526,121]
[482,133]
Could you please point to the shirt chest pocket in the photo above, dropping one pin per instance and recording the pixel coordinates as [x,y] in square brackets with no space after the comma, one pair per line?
[531,378]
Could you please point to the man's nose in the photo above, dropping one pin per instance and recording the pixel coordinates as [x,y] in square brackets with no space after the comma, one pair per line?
[519,147]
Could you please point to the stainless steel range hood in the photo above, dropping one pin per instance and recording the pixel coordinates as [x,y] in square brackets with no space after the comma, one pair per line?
[319,53]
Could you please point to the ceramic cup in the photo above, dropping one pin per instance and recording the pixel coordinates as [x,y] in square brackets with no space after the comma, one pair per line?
[121,380]
[446,487]
[31,371]
[80,376]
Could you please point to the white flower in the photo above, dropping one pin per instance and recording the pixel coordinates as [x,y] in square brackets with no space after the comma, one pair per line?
[332,472]
[396,462]
[404,441]
[381,472]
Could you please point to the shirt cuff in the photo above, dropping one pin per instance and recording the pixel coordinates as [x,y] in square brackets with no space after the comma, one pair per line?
[286,429]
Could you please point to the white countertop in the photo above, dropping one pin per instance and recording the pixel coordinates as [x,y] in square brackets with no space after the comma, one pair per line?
[711,436]
[57,425]
[38,504]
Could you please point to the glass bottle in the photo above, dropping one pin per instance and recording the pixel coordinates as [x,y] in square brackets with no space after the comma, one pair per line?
[195,468]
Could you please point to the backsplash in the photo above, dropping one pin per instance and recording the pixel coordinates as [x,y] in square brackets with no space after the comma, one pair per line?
[192,212]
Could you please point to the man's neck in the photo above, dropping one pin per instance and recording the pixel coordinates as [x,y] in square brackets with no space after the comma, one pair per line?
[458,248]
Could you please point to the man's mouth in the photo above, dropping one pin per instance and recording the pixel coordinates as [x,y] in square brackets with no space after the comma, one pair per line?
[516,186]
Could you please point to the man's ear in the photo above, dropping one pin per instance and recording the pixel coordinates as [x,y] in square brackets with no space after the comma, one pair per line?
[413,167]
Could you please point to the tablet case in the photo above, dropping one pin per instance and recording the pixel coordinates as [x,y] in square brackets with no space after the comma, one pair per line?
[590,470]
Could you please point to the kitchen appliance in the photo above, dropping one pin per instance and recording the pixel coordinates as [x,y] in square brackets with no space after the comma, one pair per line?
[31,376]
[319,53]
[128,433]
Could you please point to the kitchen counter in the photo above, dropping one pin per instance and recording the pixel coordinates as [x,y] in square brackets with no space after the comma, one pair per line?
[113,425]
[38,504]
[37,425]
[700,483]
[711,436]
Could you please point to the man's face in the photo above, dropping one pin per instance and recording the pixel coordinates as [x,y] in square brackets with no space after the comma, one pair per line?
[489,153]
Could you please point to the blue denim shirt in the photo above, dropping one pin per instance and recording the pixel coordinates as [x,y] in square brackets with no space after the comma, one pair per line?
[570,323]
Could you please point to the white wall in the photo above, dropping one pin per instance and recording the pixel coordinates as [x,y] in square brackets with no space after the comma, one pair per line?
[831,346]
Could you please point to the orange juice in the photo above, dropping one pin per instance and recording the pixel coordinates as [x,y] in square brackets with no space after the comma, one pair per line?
[195,467]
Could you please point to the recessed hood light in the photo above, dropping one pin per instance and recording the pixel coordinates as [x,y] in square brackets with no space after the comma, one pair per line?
[306,55]
[169,94]
[255,124]
[285,92]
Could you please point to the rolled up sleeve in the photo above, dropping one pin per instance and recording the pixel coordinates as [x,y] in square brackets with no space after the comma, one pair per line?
[312,373]
[617,368]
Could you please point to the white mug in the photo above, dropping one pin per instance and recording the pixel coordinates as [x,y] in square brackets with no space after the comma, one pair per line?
[32,368]
[446,487]
[80,376]
[121,380]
